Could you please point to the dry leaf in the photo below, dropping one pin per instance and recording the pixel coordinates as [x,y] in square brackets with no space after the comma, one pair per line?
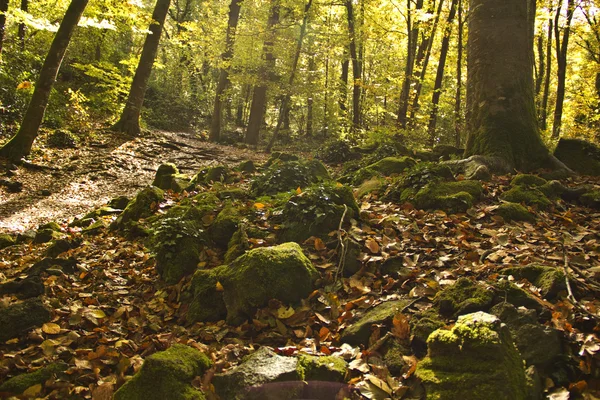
[51,328]
[372,245]
[319,245]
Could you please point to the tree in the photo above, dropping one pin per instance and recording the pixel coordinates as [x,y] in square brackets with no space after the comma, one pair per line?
[3,10]
[356,64]
[129,122]
[20,144]
[501,115]
[561,57]
[25,8]
[217,116]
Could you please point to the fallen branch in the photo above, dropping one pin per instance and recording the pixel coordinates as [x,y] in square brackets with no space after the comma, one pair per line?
[340,267]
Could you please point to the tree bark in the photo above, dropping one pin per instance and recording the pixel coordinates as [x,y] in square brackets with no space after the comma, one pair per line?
[3,10]
[356,65]
[439,78]
[546,93]
[22,28]
[501,118]
[458,95]
[561,58]
[20,145]
[259,97]
[234,16]
[129,123]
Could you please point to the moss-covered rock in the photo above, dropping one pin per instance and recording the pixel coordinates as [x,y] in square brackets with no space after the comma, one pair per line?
[54,226]
[6,240]
[20,383]
[119,202]
[393,357]
[327,368]
[386,167]
[142,206]
[352,263]
[225,225]
[591,199]
[336,152]
[446,152]
[556,190]
[281,272]
[404,188]
[168,178]
[233,193]
[167,375]
[527,180]
[207,297]
[373,185]
[218,173]
[514,212]
[529,196]
[246,167]
[317,211]
[359,331]
[21,316]
[579,155]
[464,297]
[453,197]
[422,325]
[474,360]
[238,244]
[549,280]
[279,157]
[508,292]
[47,235]
[290,175]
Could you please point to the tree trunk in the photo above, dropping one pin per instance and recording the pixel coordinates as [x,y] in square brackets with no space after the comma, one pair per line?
[459,61]
[501,119]
[561,58]
[356,65]
[437,89]
[21,34]
[234,16]
[344,85]
[20,145]
[129,123]
[259,97]
[546,94]
[539,76]
[3,10]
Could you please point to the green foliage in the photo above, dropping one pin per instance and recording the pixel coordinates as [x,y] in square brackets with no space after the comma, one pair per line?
[336,152]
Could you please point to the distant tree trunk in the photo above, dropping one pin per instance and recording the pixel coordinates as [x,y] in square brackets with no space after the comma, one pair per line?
[20,144]
[3,10]
[459,61]
[437,89]
[501,118]
[21,33]
[423,73]
[312,68]
[539,77]
[259,97]
[344,85]
[234,16]
[356,64]
[129,123]
[561,58]
[546,93]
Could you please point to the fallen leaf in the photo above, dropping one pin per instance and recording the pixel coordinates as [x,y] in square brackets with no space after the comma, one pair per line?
[51,328]
[33,391]
[372,245]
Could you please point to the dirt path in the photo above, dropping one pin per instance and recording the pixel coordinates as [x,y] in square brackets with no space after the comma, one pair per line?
[63,184]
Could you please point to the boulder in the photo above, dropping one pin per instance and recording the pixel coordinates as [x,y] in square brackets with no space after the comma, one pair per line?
[474,360]
[464,297]
[549,280]
[530,196]
[207,302]
[142,206]
[415,179]
[579,155]
[336,152]
[514,212]
[168,178]
[238,244]
[225,225]
[167,375]
[18,384]
[527,180]
[246,167]
[327,368]
[289,175]
[31,286]
[385,167]
[209,175]
[6,240]
[20,317]
[453,197]
[446,152]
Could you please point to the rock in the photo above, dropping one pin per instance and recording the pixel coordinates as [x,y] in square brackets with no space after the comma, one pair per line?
[446,152]
[477,171]
[514,212]
[207,302]
[20,383]
[317,211]
[591,199]
[168,178]
[394,266]
[415,179]
[233,194]
[286,176]
[67,265]
[474,360]
[31,286]
[281,272]
[209,175]
[336,152]
[47,235]
[278,157]
[529,196]
[19,317]
[238,244]
[119,202]
[167,375]
[352,264]
[327,368]
[6,241]
[359,331]
[527,180]
[225,225]
[142,206]
[247,167]
[373,185]
[94,228]
[508,292]
[393,357]
[421,326]
[549,280]
[50,225]
[263,366]
[62,139]
[453,197]
[60,246]
[386,167]
[579,155]
[26,237]
[464,297]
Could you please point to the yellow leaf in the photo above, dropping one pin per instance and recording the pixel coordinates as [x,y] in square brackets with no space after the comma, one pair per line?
[220,287]
[51,328]
[97,313]
[259,205]
[372,245]
[298,190]
[33,391]
[24,85]
[285,312]
[319,245]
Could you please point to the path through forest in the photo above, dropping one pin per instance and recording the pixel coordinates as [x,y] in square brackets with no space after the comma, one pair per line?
[60,184]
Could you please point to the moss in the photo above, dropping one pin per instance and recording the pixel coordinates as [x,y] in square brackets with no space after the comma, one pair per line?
[327,368]
[238,244]
[281,272]
[142,206]
[208,175]
[47,235]
[22,316]
[207,301]
[514,212]
[286,176]
[94,228]
[453,197]
[527,180]
[553,189]
[579,155]
[549,280]
[424,324]
[404,188]
[246,167]
[318,170]
[591,199]
[474,360]
[531,197]
[374,185]
[54,226]
[167,375]
[165,178]
[20,383]
[394,357]
[225,225]
[393,165]
[278,157]
[464,297]
[508,292]
[6,240]
[119,202]
[233,194]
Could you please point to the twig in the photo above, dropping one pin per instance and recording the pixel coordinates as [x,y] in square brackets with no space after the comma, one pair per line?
[570,295]
[342,261]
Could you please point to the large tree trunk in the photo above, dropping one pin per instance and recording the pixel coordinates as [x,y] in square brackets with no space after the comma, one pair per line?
[546,92]
[20,145]
[259,97]
[356,65]
[459,62]
[3,10]
[561,58]
[129,122]
[501,118]
[234,16]
[21,34]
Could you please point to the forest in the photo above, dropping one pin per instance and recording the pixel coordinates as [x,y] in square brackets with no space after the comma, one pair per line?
[299,199]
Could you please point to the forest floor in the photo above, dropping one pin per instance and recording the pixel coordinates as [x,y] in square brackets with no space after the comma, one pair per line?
[60,184]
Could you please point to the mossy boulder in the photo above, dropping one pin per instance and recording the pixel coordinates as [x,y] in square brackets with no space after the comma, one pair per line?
[218,173]
[19,317]
[238,244]
[286,176]
[246,167]
[336,152]
[168,178]
[317,211]
[422,325]
[358,332]
[386,167]
[142,206]
[453,197]
[207,302]
[549,280]
[352,263]
[373,185]
[54,226]
[280,272]
[404,188]
[167,375]
[527,180]
[279,157]
[20,383]
[464,297]
[591,199]
[508,292]
[474,360]
[446,152]
[579,155]
[6,240]
[47,235]
[225,225]
[529,196]
[514,212]
[394,356]
[233,193]
[327,368]
[119,202]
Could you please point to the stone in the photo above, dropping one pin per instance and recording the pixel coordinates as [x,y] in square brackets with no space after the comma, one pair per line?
[422,325]
[209,175]
[373,185]
[247,167]
[31,286]
[326,368]
[446,152]
[514,212]
[142,206]
[352,263]
[286,176]
[579,155]
[474,360]
[167,375]
[119,202]
[20,317]
[464,297]
[6,240]
[336,152]
[453,197]
[527,180]
[549,280]
[60,246]
[529,196]
[238,244]
[394,266]
[18,384]
[207,304]
[225,225]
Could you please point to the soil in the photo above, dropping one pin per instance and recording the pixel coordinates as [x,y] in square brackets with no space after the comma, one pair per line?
[60,184]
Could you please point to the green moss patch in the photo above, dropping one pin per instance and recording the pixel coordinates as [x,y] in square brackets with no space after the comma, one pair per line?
[528,196]
[328,368]
[225,225]
[142,206]
[207,299]
[453,197]
[20,383]
[579,155]
[549,280]
[464,297]
[290,175]
[527,180]
[6,240]
[514,212]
